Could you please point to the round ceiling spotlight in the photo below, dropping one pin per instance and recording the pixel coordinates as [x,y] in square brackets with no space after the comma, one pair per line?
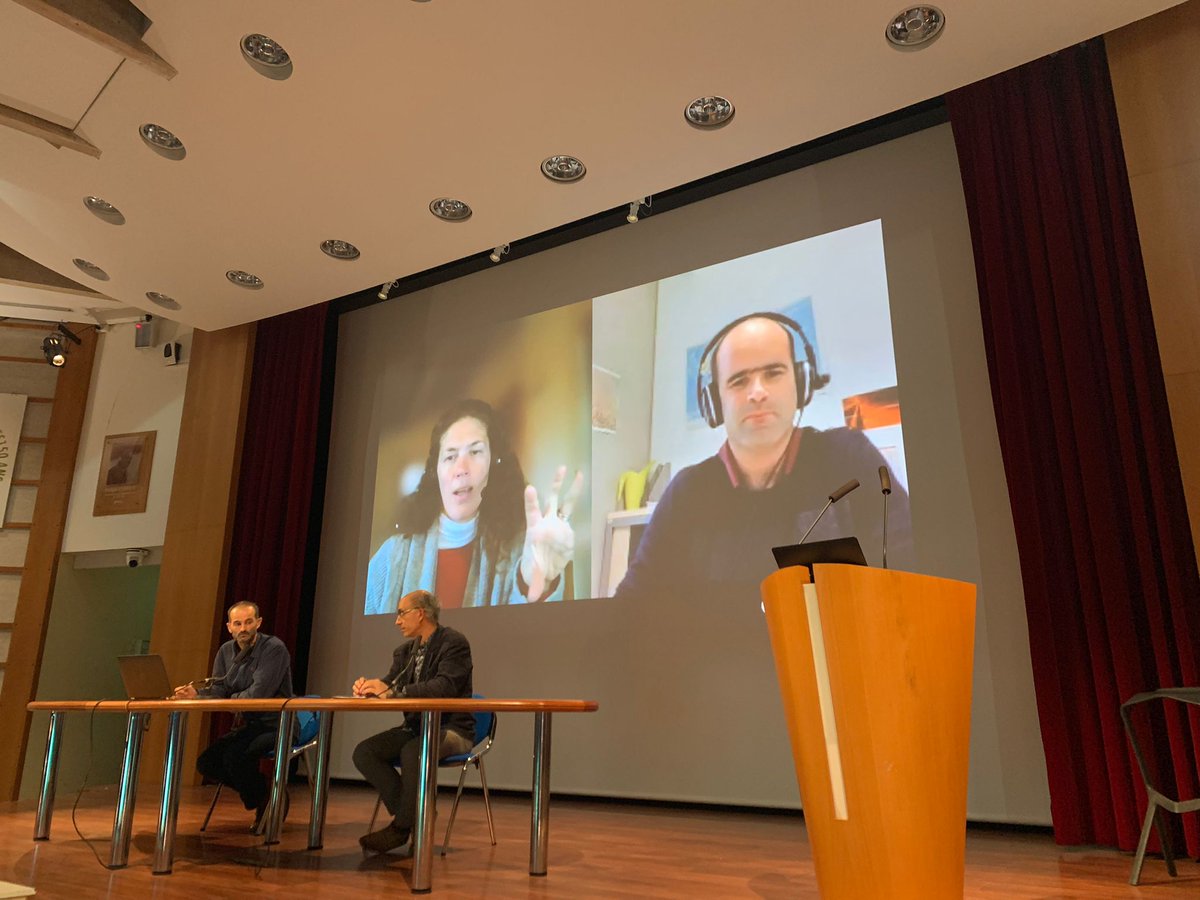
[563,169]
[708,112]
[915,27]
[339,249]
[90,268]
[266,56]
[104,210]
[162,142]
[449,209]
[162,300]
[244,279]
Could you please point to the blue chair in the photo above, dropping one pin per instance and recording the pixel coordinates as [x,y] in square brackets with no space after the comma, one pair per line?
[485,736]
[308,723]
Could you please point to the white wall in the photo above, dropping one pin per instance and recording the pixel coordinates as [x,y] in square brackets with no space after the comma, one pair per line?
[131,391]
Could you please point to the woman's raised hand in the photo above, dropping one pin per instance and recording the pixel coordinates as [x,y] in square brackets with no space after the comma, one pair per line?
[549,539]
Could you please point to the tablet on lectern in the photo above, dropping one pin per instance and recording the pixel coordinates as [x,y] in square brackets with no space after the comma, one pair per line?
[839,550]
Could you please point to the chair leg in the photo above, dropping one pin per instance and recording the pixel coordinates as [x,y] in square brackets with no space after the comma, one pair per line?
[212,806]
[375,815]
[487,802]
[462,774]
[1139,857]
[1164,840]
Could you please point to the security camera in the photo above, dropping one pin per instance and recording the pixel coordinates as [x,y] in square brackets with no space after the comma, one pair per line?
[135,557]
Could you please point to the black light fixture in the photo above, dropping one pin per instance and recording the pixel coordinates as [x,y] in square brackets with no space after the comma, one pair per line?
[55,345]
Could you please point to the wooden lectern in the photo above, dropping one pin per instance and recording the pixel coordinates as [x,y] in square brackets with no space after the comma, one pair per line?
[875,671]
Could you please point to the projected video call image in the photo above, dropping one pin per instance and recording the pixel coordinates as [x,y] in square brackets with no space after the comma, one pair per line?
[483,454]
[773,383]
[683,429]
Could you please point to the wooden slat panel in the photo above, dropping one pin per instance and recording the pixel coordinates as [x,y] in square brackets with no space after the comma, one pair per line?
[195,564]
[51,132]
[117,25]
[41,562]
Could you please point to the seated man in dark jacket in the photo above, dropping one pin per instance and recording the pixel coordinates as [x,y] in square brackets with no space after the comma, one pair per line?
[436,662]
[251,665]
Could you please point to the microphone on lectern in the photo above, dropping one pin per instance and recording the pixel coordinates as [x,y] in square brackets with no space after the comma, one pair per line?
[885,485]
[833,498]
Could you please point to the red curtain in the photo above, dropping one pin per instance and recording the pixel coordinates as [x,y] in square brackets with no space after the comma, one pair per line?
[276,528]
[1109,571]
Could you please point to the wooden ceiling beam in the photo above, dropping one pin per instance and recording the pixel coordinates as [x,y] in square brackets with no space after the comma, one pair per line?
[115,24]
[46,130]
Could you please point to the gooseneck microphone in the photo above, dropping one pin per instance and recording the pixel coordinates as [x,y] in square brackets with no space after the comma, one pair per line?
[833,498]
[885,485]
[202,683]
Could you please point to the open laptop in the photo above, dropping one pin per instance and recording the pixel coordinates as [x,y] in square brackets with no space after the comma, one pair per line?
[845,550]
[145,677]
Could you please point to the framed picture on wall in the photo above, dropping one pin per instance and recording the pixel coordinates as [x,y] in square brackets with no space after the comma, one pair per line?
[124,481]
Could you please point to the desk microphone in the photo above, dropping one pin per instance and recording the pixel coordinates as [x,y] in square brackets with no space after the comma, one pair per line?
[885,485]
[203,683]
[833,498]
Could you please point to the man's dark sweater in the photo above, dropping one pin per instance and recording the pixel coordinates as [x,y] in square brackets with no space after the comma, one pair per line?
[266,672]
[709,540]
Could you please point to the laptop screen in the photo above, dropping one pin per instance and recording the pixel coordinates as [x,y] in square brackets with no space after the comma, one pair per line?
[145,677]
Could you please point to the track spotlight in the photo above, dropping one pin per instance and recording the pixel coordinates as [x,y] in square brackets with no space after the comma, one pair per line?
[54,348]
[634,209]
[496,254]
[55,345]
[385,289]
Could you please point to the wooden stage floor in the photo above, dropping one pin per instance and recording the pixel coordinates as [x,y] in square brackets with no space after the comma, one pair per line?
[596,850]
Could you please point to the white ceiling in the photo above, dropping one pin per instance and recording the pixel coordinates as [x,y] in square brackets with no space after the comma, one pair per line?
[394,103]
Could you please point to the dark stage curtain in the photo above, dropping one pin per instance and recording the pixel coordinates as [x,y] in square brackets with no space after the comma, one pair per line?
[1109,572]
[272,560]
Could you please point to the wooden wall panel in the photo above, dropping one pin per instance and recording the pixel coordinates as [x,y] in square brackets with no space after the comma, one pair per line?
[192,581]
[56,472]
[1155,65]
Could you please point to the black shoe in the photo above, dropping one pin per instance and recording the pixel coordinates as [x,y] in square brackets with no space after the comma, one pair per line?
[260,811]
[387,838]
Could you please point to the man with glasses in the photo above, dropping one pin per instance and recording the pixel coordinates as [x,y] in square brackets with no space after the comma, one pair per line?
[434,662]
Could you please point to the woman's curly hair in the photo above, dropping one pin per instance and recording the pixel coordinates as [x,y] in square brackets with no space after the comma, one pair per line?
[502,507]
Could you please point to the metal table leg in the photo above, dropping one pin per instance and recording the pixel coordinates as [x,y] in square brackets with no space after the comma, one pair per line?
[320,793]
[127,794]
[168,814]
[539,820]
[431,728]
[45,810]
[283,757]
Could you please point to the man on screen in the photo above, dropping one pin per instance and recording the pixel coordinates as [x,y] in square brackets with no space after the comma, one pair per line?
[434,662]
[251,665]
[711,533]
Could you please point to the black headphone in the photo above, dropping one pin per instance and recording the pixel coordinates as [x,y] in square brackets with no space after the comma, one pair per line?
[808,379]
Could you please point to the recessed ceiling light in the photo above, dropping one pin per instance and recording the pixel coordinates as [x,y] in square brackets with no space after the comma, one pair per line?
[162,300]
[244,279]
[162,142]
[266,56]
[104,210]
[708,112]
[90,268]
[339,249]
[450,210]
[563,169]
[915,27]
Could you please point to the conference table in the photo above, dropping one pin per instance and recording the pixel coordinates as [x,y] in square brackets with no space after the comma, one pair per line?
[430,709]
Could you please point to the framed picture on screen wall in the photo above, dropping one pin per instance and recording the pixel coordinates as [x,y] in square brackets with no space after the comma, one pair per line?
[124,481]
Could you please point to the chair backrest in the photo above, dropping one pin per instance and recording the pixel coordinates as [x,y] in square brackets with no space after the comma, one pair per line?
[307,724]
[485,734]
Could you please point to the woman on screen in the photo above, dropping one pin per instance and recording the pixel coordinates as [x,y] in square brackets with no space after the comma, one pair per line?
[473,533]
